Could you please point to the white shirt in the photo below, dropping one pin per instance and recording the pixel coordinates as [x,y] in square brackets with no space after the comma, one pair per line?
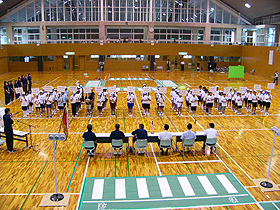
[254,98]
[229,95]
[146,99]
[267,98]
[239,101]
[180,101]
[210,99]
[113,99]
[165,136]
[100,100]
[224,101]
[194,101]
[211,133]
[161,100]
[73,99]
[24,101]
[130,98]
[172,94]
[37,102]
[41,99]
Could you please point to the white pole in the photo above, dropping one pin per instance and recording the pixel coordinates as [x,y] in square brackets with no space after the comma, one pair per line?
[56,185]
[270,162]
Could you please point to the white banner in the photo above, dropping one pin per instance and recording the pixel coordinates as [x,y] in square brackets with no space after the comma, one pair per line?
[112,89]
[130,89]
[87,89]
[183,92]
[19,90]
[270,86]
[147,89]
[195,91]
[212,89]
[257,87]
[73,88]
[243,89]
[35,91]
[48,88]
[271,55]
[227,90]
[61,88]
[162,90]
[99,89]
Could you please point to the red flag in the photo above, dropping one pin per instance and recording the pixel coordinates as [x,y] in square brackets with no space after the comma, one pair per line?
[65,121]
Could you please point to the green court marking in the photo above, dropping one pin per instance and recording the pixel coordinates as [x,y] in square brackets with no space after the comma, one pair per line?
[127,153]
[194,195]
[270,205]
[131,78]
[34,185]
[74,169]
[92,83]
[167,83]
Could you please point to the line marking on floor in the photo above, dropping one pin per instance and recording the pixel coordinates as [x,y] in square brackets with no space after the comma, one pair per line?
[183,162]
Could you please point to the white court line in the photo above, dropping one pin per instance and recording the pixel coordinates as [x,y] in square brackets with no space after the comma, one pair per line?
[97,191]
[142,188]
[159,171]
[226,183]
[183,162]
[187,84]
[206,81]
[51,81]
[168,199]
[83,183]
[120,190]
[275,206]
[209,189]
[164,187]
[186,186]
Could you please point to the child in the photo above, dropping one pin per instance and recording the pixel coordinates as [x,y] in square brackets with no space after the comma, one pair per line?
[24,104]
[73,104]
[60,102]
[239,103]
[161,103]
[254,102]
[209,103]
[267,99]
[172,95]
[130,103]
[224,104]
[100,103]
[88,105]
[194,103]
[180,102]
[113,103]
[37,105]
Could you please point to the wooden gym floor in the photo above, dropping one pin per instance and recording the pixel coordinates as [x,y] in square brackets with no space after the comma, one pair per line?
[244,141]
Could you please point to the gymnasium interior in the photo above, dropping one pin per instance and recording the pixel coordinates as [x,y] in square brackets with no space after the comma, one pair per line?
[141,43]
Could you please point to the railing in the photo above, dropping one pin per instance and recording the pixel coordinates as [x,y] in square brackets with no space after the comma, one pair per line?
[272,19]
[271,44]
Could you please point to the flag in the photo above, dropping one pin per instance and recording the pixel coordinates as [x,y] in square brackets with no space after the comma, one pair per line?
[65,121]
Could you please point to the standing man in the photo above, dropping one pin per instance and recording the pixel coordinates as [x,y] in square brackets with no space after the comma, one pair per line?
[168,65]
[182,65]
[8,129]
[29,78]
[276,78]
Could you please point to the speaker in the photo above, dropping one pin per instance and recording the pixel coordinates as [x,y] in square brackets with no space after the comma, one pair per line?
[40,63]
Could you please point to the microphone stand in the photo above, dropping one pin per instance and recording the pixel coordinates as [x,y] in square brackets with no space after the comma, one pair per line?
[31,144]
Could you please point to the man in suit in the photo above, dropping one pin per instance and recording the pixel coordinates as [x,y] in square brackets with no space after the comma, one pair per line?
[8,129]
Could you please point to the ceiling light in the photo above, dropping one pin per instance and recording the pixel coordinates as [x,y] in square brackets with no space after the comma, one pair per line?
[1,1]
[248,5]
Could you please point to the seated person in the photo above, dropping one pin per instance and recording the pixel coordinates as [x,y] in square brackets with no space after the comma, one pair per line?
[90,136]
[165,135]
[210,133]
[188,134]
[117,134]
[140,133]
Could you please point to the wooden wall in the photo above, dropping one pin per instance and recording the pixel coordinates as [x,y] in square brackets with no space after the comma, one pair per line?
[257,58]
[4,60]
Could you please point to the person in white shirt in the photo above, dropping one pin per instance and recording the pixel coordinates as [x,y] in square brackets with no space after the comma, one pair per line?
[130,103]
[209,103]
[224,103]
[254,102]
[188,99]
[249,95]
[146,103]
[100,103]
[245,98]
[42,102]
[239,103]
[182,65]
[172,95]
[234,96]
[157,96]
[78,101]
[267,99]
[37,105]
[49,105]
[161,100]
[259,99]
[105,94]
[165,136]
[276,78]
[216,97]
[199,96]
[73,99]
[229,97]
[262,101]
[180,102]
[113,103]
[210,133]
[24,104]
[194,104]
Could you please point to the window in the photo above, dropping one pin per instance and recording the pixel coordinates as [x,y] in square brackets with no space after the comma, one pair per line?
[26,35]
[134,33]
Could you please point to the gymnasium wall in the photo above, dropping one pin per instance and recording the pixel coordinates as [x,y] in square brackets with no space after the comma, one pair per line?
[257,58]
[4,60]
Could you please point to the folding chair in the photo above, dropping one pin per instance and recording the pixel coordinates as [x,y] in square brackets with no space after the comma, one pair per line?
[117,144]
[188,143]
[89,147]
[141,144]
[166,144]
[211,143]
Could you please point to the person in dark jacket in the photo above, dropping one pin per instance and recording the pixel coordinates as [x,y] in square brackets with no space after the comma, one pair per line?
[29,78]
[7,93]
[8,129]
[117,134]
[12,91]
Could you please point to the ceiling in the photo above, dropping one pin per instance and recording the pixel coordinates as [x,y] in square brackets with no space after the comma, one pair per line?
[259,7]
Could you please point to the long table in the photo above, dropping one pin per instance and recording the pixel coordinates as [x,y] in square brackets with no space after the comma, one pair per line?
[18,135]
[152,137]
